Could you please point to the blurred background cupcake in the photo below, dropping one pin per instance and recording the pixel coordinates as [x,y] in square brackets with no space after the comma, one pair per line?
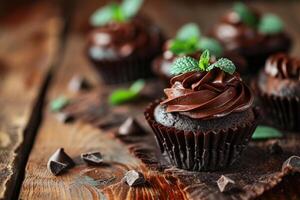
[190,42]
[123,44]
[252,34]
[279,88]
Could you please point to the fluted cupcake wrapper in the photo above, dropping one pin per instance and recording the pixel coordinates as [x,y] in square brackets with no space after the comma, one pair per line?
[120,71]
[197,150]
[285,110]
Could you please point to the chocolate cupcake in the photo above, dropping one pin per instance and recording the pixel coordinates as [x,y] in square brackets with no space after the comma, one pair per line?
[253,35]
[207,119]
[279,87]
[189,42]
[122,47]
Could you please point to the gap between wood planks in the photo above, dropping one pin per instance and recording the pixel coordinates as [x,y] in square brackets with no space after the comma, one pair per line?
[36,116]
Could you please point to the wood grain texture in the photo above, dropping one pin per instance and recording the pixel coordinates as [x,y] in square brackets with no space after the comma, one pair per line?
[104,182]
[27,40]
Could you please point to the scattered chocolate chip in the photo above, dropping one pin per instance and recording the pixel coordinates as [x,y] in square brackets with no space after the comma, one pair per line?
[225,184]
[130,127]
[292,163]
[64,117]
[134,178]
[275,148]
[92,158]
[59,162]
[78,83]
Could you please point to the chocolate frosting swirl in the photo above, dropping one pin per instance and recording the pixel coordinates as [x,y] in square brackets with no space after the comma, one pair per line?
[283,66]
[207,95]
[125,39]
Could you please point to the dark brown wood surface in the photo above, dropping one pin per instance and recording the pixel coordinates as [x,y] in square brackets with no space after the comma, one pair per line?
[29,48]
[28,40]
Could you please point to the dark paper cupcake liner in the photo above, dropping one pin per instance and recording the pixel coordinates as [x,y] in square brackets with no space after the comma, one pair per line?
[200,151]
[114,72]
[284,110]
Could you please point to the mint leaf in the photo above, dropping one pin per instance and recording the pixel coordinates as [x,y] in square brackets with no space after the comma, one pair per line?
[224,64]
[120,96]
[183,46]
[212,45]
[187,31]
[137,86]
[131,7]
[102,16]
[59,103]
[245,14]
[204,60]
[270,24]
[266,132]
[184,64]
[118,14]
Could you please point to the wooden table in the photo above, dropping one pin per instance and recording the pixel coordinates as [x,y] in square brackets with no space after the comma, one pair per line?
[41,50]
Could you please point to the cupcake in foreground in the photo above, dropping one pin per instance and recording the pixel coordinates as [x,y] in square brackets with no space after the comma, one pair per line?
[190,42]
[279,88]
[123,43]
[207,118]
[251,34]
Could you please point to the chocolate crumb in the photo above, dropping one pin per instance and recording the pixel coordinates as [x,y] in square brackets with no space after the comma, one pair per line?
[134,178]
[130,127]
[78,83]
[59,162]
[291,164]
[92,158]
[225,184]
[275,148]
[64,117]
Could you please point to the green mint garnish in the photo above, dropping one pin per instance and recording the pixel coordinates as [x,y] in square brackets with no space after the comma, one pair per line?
[190,30]
[120,96]
[270,24]
[183,46]
[116,12]
[131,7]
[204,60]
[245,14]
[187,64]
[266,132]
[223,63]
[184,64]
[59,103]
[186,40]
[212,45]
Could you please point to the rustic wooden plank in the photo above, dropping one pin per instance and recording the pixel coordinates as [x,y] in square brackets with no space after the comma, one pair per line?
[104,182]
[28,39]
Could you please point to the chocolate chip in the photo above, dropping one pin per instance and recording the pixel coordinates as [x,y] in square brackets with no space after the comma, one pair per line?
[275,148]
[59,162]
[78,83]
[130,127]
[92,158]
[134,178]
[291,164]
[64,117]
[225,184]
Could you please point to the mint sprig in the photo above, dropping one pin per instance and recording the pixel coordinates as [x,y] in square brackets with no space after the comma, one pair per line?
[245,14]
[186,64]
[266,132]
[116,12]
[186,40]
[270,24]
[120,96]
[224,64]
[212,45]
